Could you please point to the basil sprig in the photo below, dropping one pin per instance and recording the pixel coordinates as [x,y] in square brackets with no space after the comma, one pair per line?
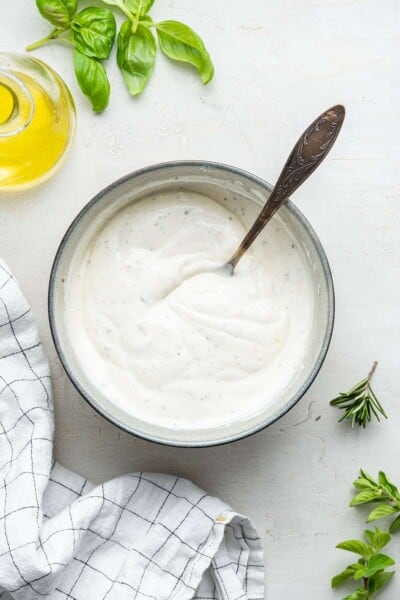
[92,33]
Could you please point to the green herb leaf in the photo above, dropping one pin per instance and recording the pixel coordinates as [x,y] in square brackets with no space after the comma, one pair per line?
[135,7]
[358,595]
[93,32]
[379,581]
[139,7]
[356,546]
[370,536]
[388,487]
[58,12]
[343,576]
[181,43]
[368,477]
[383,510]
[117,3]
[395,526]
[365,483]
[136,55]
[366,496]
[376,563]
[378,539]
[92,80]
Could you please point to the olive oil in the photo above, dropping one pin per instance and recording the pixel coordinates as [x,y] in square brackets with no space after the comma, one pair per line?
[37,121]
[7,103]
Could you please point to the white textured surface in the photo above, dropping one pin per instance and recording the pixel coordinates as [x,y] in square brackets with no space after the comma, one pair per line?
[278,64]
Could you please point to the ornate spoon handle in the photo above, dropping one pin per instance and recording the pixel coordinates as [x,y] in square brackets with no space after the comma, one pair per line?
[308,153]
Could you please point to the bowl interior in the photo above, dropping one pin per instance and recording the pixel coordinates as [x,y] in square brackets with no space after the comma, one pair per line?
[230,187]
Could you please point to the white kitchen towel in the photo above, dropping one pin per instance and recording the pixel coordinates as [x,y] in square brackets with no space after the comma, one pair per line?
[142,536]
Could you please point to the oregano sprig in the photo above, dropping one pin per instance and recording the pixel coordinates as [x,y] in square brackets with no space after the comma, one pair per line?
[92,34]
[370,571]
[360,402]
[381,491]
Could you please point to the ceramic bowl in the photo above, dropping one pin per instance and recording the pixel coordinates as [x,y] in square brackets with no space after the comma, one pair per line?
[224,184]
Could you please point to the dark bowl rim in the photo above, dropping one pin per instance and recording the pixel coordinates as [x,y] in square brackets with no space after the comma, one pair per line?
[203,165]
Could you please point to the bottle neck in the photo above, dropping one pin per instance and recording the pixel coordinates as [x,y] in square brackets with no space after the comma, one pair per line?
[16,104]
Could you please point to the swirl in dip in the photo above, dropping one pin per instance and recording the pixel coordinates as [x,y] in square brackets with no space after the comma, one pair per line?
[170,340]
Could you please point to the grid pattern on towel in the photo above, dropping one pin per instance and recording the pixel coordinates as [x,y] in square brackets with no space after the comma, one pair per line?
[142,536]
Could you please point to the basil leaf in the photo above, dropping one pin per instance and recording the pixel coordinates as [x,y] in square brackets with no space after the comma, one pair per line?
[179,42]
[93,32]
[58,12]
[113,2]
[135,7]
[92,79]
[118,3]
[139,7]
[135,56]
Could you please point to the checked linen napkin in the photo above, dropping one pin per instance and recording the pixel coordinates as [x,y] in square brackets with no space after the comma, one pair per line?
[142,536]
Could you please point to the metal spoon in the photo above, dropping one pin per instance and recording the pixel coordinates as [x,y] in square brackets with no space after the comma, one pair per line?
[308,153]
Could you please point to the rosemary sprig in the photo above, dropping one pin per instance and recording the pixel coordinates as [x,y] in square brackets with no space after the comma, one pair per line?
[360,403]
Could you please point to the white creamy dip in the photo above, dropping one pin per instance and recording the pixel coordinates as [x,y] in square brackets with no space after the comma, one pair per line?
[172,342]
